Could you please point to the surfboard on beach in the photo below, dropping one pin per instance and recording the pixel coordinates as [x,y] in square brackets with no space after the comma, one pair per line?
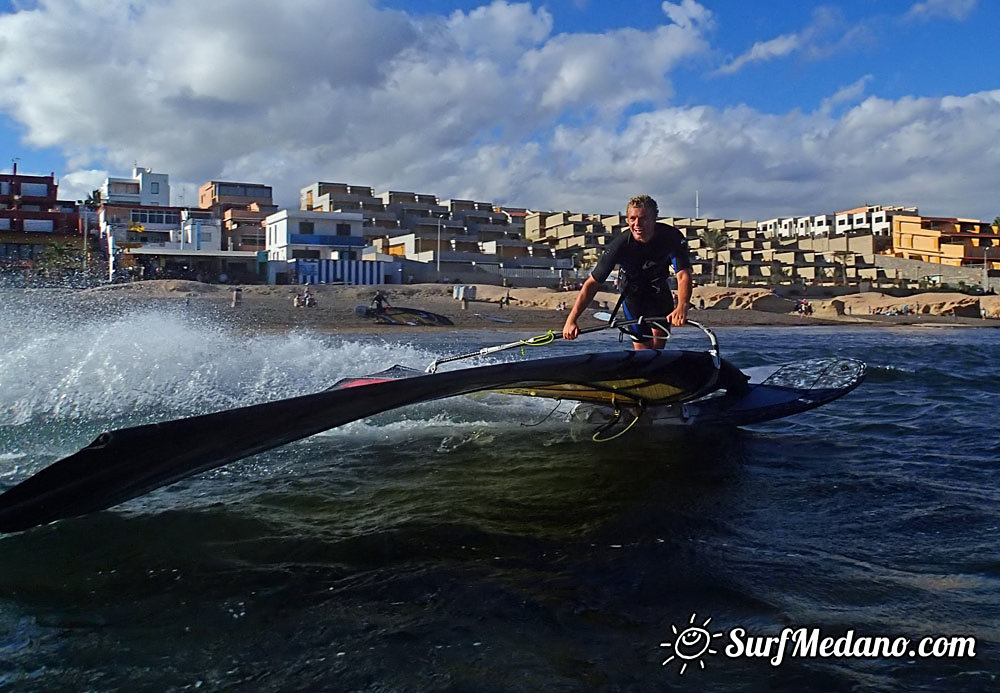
[398,315]
[493,318]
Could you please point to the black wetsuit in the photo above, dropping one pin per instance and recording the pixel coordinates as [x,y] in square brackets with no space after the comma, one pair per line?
[645,272]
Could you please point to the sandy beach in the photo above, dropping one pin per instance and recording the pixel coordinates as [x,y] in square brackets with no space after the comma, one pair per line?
[270,308]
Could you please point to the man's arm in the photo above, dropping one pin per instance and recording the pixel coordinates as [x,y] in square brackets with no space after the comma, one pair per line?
[583,299]
[679,315]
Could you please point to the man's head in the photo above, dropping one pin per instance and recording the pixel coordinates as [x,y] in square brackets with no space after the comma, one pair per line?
[641,216]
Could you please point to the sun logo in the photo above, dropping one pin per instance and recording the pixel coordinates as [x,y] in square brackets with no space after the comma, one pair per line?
[691,644]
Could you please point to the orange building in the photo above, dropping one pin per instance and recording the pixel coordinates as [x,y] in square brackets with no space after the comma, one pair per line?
[945,241]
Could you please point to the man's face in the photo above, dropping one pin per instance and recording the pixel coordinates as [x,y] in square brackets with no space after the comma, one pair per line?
[641,223]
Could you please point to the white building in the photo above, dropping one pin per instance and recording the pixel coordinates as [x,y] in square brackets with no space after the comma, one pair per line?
[782,227]
[143,188]
[874,219]
[299,234]
[821,225]
[199,231]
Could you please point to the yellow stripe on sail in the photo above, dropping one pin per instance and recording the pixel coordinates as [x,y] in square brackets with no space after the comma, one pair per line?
[637,390]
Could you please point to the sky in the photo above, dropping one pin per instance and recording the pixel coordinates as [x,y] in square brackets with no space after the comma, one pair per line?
[754,109]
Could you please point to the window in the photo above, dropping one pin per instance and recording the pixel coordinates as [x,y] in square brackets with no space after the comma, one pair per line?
[154,188]
[34,189]
[142,216]
[307,228]
[343,229]
[45,225]
[123,188]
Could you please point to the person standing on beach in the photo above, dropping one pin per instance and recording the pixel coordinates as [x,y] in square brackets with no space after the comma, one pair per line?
[644,253]
[380,302]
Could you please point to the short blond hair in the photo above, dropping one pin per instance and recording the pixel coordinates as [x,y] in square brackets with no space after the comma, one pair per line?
[645,202]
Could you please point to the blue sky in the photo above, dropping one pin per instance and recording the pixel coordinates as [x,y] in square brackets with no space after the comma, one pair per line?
[765,108]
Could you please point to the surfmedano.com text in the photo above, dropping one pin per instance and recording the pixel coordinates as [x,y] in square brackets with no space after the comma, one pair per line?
[811,643]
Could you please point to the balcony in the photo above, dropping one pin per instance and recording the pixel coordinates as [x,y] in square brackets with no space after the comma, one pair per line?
[332,241]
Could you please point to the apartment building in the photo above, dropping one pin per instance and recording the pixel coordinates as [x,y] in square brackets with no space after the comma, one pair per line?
[242,208]
[171,242]
[144,188]
[343,197]
[146,237]
[33,217]
[873,219]
[946,241]
[455,235]
[300,234]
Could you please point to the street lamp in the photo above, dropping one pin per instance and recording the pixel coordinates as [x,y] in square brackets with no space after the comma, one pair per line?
[986,268]
[82,220]
[438,254]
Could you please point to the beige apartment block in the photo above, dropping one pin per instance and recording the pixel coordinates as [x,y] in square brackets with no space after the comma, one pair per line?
[614,223]
[536,227]
[488,232]
[466,205]
[331,197]
[510,248]
[395,197]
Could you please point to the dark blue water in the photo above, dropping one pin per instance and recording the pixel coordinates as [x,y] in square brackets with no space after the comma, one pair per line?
[459,546]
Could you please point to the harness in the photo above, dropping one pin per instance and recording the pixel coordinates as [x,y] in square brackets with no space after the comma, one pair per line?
[652,279]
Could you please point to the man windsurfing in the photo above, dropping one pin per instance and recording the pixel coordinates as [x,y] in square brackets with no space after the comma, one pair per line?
[644,253]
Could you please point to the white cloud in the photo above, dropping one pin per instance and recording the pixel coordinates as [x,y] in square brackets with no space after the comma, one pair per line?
[296,92]
[689,15]
[937,153]
[500,30]
[763,51]
[486,104]
[947,9]
[78,185]
[852,92]
[826,34]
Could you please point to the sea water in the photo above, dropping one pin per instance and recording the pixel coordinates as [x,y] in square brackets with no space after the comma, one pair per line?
[475,544]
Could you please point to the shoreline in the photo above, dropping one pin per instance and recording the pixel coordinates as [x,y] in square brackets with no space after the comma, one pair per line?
[269,309]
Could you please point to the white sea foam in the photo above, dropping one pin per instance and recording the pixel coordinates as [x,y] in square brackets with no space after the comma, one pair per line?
[164,362]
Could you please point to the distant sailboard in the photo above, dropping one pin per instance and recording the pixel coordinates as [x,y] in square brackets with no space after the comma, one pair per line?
[493,318]
[397,315]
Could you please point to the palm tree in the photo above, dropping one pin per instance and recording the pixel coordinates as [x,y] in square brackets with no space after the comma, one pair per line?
[715,241]
[93,200]
[843,256]
[779,273]
[996,222]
